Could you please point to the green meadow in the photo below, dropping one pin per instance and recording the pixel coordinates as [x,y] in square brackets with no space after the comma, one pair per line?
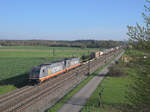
[113,96]
[16,62]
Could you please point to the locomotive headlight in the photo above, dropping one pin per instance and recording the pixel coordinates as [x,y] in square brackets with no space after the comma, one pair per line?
[70,63]
[49,71]
[34,75]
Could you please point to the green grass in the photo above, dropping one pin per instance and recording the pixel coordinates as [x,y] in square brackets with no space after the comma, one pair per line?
[113,96]
[16,62]
[45,48]
[28,53]
[133,52]
[4,89]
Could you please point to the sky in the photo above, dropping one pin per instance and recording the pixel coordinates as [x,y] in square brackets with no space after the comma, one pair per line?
[68,19]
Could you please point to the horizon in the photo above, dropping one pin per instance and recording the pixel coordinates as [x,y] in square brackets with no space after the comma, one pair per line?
[58,40]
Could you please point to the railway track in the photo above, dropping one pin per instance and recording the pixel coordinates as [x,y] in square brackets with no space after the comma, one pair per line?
[30,99]
[46,92]
[25,97]
[14,94]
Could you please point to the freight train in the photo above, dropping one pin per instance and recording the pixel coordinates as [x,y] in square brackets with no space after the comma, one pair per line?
[46,71]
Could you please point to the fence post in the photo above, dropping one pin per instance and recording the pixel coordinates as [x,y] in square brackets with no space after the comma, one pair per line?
[53,51]
[89,67]
[100,98]
[50,52]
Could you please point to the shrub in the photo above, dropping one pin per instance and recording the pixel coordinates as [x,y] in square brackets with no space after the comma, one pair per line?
[117,70]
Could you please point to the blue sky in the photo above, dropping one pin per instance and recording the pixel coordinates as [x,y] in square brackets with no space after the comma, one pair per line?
[68,19]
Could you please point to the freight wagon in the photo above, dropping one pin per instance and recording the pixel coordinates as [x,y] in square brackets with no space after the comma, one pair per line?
[96,54]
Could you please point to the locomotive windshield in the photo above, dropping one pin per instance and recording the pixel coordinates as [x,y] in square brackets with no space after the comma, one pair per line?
[35,73]
[36,70]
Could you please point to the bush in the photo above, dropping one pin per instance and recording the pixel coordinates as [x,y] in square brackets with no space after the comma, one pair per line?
[117,70]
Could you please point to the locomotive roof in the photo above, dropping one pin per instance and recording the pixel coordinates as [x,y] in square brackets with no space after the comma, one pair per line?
[71,58]
[58,61]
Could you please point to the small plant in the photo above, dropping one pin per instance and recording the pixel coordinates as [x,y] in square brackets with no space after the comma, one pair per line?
[116,70]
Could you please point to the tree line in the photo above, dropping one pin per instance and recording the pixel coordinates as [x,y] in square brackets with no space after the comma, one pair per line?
[54,43]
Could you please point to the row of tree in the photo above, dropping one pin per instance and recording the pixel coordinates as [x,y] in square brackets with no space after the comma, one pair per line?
[52,43]
[139,36]
[139,89]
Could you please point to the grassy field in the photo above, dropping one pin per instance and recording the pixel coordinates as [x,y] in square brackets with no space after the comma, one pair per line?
[16,62]
[42,52]
[113,96]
